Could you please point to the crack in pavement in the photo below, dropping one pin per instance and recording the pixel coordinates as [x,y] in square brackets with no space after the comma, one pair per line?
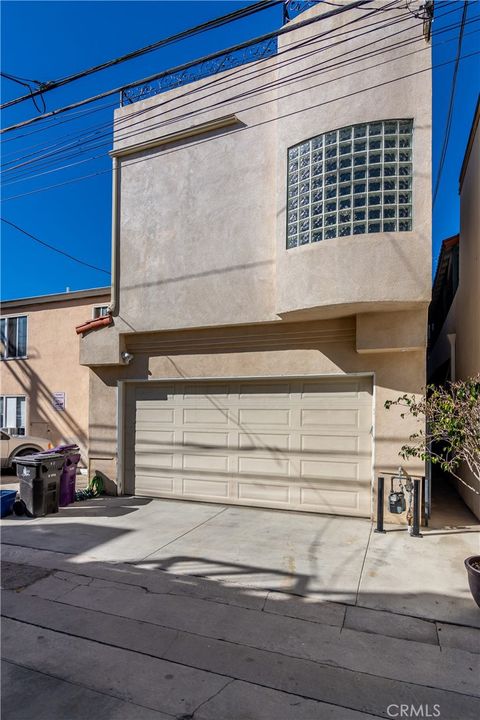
[229,682]
[204,522]
[211,672]
[319,663]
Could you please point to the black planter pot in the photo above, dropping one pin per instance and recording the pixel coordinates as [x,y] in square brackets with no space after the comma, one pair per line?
[474,576]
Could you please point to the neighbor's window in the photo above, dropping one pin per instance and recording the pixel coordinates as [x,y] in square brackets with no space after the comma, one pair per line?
[12,414]
[13,331]
[100,311]
[350,181]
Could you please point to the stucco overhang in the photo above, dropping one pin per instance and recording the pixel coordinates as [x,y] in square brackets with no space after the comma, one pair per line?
[184,134]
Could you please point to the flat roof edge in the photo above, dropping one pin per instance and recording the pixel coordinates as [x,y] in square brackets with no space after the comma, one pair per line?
[57,297]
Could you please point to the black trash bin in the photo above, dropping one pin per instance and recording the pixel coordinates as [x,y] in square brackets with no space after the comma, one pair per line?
[40,482]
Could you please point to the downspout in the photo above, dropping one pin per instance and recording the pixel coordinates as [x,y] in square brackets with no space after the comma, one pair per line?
[113,307]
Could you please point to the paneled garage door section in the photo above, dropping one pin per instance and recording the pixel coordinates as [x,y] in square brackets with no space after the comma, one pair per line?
[290,444]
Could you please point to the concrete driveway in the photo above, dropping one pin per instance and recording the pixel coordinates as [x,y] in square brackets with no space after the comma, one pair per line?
[136,608]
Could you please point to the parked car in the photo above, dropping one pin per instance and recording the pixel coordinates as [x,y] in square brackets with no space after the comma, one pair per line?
[12,448]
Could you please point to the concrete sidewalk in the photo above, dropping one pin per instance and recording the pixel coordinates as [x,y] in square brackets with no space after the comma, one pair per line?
[131,608]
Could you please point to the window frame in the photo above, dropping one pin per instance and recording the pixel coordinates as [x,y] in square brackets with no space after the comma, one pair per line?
[7,319]
[96,315]
[293,216]
[3,399]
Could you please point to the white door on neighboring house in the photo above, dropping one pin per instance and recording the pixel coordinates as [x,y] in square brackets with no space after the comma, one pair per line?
[289,443]
[13,414]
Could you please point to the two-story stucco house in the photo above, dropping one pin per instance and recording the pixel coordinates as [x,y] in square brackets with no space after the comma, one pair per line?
[44,389]
[271,265]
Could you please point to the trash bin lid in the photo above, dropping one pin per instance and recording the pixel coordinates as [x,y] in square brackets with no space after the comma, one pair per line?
[38,458]
[65,448]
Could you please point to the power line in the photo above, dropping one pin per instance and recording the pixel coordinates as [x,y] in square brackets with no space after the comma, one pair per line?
[287,79]
[192,63]
[210,24]
[19,80]
[48,126]
[345,60]
[92,134]
[51,247]
[245,71]
[68,153]
[28,84]
[74,116]
[448,125]
[243,129]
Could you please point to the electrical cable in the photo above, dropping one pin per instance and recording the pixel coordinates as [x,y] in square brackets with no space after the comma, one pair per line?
[51,247]
[82,151]
[65,120]
[79,115]
[320,67]
[448,125]
[75,116]
[243,129]
[68,152]
[27,83]
[244,70]
[19,80]
[256,91]
[89,131]
[312,71]
[185,66]
[216,22]
[190,32]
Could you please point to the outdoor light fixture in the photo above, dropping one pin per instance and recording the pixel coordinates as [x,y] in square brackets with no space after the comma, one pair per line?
[127,357]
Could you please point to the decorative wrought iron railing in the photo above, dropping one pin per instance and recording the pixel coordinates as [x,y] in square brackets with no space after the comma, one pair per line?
[292,8]
[228,61]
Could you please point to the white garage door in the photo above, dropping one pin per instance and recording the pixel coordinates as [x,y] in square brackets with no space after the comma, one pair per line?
[298,444]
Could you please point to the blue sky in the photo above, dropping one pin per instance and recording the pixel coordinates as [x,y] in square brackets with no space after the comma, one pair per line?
[47,40]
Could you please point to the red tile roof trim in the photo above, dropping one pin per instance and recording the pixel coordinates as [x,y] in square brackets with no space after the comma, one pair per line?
[94,324]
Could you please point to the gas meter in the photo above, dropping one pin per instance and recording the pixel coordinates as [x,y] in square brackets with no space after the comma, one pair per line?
[396,500]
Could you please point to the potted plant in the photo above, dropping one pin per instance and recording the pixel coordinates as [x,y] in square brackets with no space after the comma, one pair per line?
[473,571]
[449,437]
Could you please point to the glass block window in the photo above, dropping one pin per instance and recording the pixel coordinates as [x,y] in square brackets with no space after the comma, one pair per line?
[350,181]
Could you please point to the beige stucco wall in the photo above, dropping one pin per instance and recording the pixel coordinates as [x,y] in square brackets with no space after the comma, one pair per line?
[52,366]
[398,331]
[202,219]
[468,293]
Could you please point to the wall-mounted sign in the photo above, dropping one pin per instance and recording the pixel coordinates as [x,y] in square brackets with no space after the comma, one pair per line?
[58,400]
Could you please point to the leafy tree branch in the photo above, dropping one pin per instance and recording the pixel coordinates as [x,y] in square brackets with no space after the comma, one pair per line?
[450,426]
